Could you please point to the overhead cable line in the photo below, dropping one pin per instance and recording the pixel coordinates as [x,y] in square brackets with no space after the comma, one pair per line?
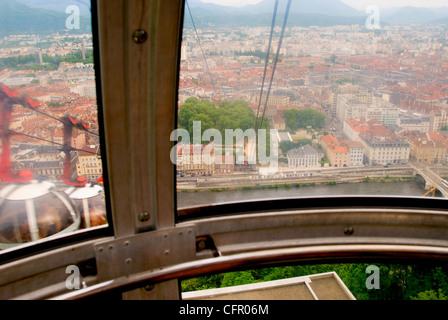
[202,49]
[44,140]
[58,119]
[9,98]
[276,59]
[268,53]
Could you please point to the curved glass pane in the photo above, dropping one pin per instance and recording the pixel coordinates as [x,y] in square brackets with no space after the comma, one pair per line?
[14,225]
[287,106]
[49,130]
[24,218]
[92,210]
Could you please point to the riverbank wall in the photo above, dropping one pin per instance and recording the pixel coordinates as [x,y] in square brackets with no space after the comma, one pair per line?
[361,175]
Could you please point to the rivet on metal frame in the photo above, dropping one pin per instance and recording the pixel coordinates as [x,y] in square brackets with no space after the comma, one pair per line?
[348,231]
[139,36]
[143,216]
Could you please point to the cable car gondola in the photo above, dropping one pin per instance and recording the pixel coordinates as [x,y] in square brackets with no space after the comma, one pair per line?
[33,211]
[89,201]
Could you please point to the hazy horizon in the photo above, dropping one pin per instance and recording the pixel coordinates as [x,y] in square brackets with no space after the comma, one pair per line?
[357,4]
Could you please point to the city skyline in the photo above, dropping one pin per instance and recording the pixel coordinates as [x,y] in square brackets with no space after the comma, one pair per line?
[393,81]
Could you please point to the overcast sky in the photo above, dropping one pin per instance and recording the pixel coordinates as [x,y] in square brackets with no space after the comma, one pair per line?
[358,4]
[362,4]
[233,3]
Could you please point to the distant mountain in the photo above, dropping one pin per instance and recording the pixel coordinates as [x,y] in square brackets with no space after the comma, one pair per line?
[58,5]
[412,15]
[17,18]
[325,7]
[302,13]
[255,20]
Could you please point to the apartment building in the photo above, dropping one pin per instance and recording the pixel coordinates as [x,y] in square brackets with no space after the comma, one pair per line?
[349,92]
[356,150]
[418,124]
[425,149]
[375,108]
[89,163]
[303,157]
[339,156]
[382,146]
[343,153]
[195,159]
[44,161]
[224,164]
[438,120]
[428,152]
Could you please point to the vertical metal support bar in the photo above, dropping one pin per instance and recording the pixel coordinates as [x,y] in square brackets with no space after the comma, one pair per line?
[139,81]
[32,222]
[138,56]
[85,207]
[113,30]
[164,68]
[139,52]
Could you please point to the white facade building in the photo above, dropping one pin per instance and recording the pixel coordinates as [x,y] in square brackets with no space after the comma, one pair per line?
[304,157]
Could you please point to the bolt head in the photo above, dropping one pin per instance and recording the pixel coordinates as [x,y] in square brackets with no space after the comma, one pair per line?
[348,231]
[143,216]
[139,36]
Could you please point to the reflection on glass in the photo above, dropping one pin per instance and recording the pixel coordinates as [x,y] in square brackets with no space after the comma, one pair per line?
[352,100]
[34,211]
[89,202]
[50,166]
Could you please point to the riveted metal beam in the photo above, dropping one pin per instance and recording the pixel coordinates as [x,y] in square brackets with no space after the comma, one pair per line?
[144,252]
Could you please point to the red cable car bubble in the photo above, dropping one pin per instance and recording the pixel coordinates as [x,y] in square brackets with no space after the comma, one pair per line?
[71,122]
[8,98]
[34,211]
[90,203]
[9,92]
[31,210]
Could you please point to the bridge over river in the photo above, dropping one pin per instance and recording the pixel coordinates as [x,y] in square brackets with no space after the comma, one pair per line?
[433,180]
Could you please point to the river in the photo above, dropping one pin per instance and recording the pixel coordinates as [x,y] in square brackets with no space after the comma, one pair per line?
[194,199]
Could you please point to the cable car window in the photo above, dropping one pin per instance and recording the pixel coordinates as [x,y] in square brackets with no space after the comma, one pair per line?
[51,167]
[273,104]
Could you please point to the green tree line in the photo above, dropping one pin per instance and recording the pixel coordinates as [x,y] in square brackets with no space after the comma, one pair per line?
[397,282]
[232,115]
[256,53]
[228,115]
[302,119]
[51,63]
[285,146]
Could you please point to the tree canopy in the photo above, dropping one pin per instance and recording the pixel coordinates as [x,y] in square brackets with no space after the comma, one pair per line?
[229,115]
[50,63]
[302,119]
[397,281]
[285,146]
